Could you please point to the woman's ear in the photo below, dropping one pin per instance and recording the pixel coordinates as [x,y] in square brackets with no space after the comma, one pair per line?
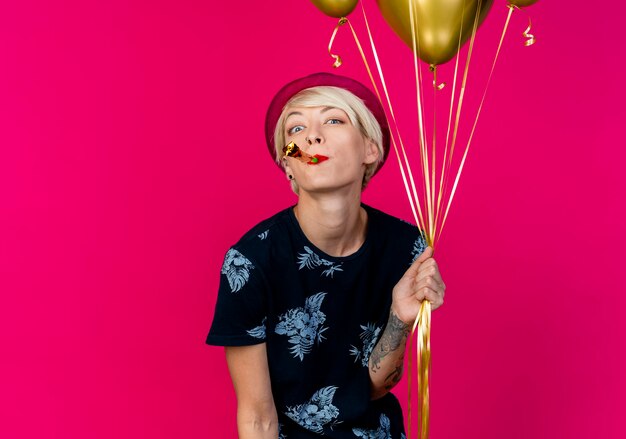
[285,165]
[371,152]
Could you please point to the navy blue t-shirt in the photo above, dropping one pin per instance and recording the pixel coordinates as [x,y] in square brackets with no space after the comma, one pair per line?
[320,316]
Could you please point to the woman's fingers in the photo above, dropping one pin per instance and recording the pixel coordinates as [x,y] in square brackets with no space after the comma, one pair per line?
[424,282]
[435,276]
[429,289]
[430,270]
[429,267]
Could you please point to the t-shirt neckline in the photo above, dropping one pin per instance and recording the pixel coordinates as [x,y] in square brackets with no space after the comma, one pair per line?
[356,254]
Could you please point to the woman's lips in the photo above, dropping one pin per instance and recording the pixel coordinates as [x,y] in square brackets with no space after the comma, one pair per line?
[317,159]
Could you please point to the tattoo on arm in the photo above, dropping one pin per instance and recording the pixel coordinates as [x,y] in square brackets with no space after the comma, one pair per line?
[395,334]
[394,377]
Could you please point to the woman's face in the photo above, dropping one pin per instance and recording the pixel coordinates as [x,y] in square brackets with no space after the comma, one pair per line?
[330,134]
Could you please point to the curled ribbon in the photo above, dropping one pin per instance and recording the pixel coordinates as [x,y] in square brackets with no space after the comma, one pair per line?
[338,61]
[433,68]
[530,38]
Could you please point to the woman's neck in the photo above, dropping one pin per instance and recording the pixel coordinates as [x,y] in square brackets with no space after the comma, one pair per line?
[335,224]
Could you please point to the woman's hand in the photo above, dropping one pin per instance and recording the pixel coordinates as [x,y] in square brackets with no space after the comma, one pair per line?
[421,281]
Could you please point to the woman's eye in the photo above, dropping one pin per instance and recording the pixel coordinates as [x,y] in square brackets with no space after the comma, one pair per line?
[334,121]
[295,129]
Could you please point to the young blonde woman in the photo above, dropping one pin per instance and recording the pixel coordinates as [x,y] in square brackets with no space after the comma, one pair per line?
[315,303]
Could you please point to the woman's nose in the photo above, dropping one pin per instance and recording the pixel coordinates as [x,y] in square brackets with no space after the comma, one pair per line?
[312,138]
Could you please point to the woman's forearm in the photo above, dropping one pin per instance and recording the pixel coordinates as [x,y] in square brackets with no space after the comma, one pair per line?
[386,362]
[252,425]
[256,411]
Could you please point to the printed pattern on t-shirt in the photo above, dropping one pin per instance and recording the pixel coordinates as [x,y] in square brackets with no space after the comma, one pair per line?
[321,317]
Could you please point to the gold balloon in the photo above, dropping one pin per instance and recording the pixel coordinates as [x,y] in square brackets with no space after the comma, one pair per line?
[438,24]
[522,3]
[335,8]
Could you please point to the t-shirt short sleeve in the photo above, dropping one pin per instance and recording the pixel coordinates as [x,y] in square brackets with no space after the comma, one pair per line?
[418,244]
[240,310]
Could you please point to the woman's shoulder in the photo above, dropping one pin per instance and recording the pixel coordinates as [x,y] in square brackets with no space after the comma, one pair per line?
[390,223]
[395,235]
[258,240]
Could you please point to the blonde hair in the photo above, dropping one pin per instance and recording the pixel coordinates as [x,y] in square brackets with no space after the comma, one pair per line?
[327,96]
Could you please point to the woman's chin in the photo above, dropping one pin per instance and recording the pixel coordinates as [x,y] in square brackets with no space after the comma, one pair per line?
[327,185]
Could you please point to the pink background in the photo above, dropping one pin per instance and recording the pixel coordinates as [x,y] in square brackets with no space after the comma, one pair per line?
[120,195]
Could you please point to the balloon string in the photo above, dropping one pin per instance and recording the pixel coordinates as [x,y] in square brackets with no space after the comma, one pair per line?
[447,160]
[410,373]
[384,84]
[338,61]
[422,324]
[419,92]
[420,118]
[413,200]
[462,94]
[424,361]
[423,394]
[434,154]
[395,124]
[480,107]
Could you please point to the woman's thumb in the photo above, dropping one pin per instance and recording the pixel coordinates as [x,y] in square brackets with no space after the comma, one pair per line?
[427,253]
